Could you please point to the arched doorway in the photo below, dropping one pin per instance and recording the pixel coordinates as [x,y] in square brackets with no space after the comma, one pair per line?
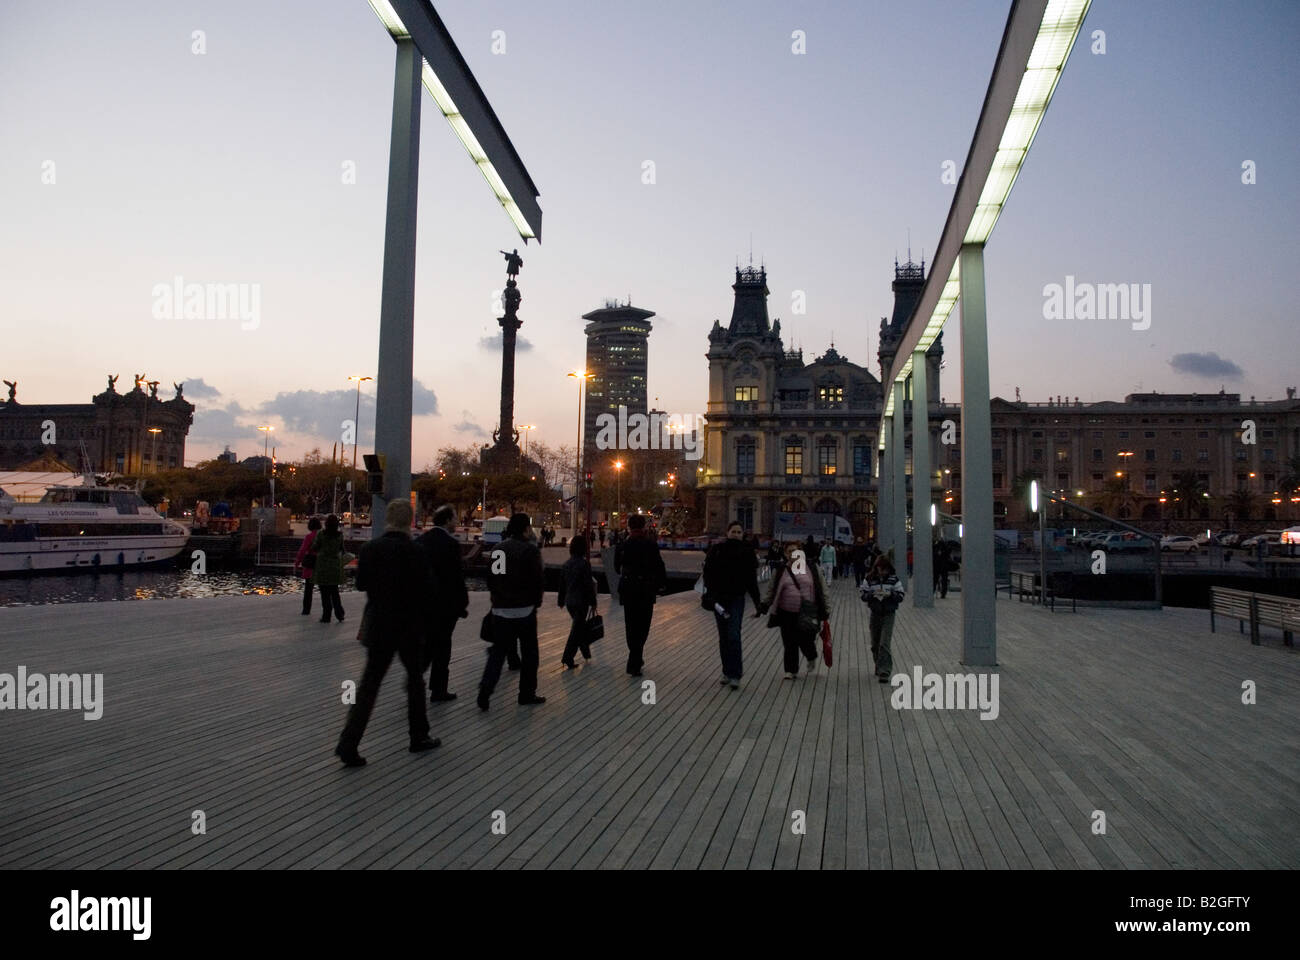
[793,505]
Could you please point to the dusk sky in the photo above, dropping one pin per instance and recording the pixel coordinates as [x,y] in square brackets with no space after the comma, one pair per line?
[229,166]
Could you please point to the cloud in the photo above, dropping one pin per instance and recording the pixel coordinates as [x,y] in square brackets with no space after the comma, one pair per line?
[197,389]
[320,413]
[221,426]
[493,342]
[1205,365]
[467,425]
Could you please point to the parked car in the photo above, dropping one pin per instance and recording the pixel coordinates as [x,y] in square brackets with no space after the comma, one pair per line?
[1203,538]
[1227,539]
[1250,543]
[1119,542]
[1179,545]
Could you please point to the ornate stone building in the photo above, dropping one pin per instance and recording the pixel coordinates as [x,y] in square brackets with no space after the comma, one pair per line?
[788,436]
[115,429]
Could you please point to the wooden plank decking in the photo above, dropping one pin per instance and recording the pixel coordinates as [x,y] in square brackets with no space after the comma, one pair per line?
[232,706]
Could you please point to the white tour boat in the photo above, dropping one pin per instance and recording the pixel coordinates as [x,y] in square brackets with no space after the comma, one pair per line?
[91,527]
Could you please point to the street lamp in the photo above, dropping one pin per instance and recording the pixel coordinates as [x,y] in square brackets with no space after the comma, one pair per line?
[153,453]
[266,439]
[526,427]
[356,437]
[618,487]
[582,378]
[356,417]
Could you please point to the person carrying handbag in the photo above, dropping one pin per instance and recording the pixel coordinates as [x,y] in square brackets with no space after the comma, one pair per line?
[578,597]
[798,604]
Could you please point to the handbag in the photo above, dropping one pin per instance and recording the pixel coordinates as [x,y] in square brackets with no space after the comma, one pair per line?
[485,632]
[808,619]
[595,628]
[826,641]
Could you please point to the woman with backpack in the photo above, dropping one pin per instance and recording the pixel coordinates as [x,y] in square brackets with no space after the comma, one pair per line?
[578,597]
[798,605]
[327,549]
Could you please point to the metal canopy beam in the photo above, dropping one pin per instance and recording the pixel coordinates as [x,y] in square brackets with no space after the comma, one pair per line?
[1035,46]
[462,101]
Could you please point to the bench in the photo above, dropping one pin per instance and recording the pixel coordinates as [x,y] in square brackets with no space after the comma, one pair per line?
[1256,609]
[1027,583]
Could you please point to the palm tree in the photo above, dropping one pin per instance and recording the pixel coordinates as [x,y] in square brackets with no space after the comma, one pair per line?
[1289,483]
[1188,491]
[1020,487]
[1241,503]
[1115,499]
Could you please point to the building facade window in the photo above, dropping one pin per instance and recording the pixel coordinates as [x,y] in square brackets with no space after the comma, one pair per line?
[861,460]
[746,394]
[827,457]
[830,396]
[746,456]
[793,459]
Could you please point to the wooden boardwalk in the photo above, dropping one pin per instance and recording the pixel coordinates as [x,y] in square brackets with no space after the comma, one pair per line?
[232,706]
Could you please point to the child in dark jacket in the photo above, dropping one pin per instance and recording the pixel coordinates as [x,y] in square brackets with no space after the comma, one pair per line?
[883,594]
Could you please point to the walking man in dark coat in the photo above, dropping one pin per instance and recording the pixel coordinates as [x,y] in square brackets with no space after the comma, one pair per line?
[394,573]
[515,582]
[641,572]
[448,603]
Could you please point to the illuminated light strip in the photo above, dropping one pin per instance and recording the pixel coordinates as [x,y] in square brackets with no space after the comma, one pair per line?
[397,29]
[1062,20]
[389,18]
[1056,35]
[475,149]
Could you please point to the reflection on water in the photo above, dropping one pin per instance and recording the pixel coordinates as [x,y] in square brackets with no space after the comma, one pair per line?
[143,585]
[154,585]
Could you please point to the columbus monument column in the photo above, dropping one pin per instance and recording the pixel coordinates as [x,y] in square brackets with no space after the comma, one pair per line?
[503,455]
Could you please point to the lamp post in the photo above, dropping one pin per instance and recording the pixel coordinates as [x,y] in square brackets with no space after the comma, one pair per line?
[1041,510]
[153,453]
[356,438]
[618,487]
[266,440]
[582,378]
[525,428]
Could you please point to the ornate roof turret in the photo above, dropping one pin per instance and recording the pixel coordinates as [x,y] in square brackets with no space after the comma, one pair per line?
[749,314]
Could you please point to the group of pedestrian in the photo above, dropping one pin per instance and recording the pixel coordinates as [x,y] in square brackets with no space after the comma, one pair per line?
[320,562]
[393,569]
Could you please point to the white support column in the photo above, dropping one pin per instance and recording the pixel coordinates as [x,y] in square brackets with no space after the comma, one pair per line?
[922,537]
[898,504]
[884,515]
[393,381]
[978,611]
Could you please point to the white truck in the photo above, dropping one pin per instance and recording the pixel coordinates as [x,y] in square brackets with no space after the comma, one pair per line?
[821,526]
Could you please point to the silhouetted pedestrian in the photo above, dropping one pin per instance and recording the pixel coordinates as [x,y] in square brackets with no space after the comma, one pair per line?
[448,602]
[578,597]
[515,582]
[731,571]
[305,563]
[642,575]
[394,573]
[327,550]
